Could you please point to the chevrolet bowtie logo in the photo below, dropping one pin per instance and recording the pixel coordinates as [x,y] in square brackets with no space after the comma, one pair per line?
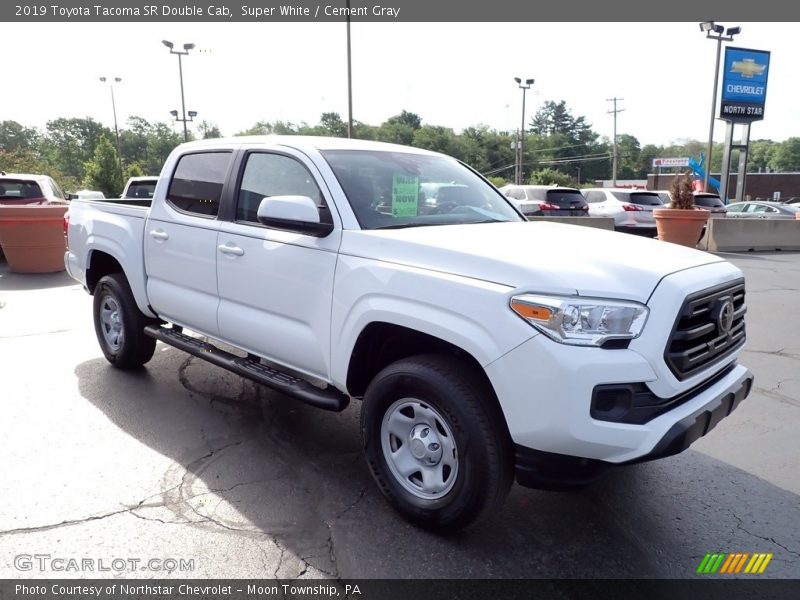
[747,67]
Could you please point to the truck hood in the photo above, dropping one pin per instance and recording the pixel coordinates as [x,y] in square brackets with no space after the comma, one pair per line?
[542,257]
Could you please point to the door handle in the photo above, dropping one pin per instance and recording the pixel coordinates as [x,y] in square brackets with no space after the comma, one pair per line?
[235,250]
[159,234]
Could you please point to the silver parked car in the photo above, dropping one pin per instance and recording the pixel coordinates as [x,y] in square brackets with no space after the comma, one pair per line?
[762,210]
[631,209]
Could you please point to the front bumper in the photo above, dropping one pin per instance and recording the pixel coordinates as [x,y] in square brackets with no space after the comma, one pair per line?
[547,470]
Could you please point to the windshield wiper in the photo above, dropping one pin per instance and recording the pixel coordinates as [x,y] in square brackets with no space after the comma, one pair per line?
[404,225]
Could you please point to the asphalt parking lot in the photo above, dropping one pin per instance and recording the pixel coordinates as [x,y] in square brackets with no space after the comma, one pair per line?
[205,472]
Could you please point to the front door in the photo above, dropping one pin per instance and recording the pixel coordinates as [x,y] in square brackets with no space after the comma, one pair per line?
[275,287]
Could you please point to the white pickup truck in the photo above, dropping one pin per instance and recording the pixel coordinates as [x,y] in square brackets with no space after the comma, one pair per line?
[483,347]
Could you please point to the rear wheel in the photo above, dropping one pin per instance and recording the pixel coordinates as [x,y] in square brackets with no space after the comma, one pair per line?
[435,441]
[119,324]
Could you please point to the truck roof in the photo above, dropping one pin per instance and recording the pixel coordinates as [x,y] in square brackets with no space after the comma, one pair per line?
[304,142]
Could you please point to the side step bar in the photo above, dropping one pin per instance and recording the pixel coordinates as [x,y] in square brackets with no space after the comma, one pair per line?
[328,398]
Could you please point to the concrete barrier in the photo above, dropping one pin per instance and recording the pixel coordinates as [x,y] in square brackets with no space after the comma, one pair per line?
[743,235]
[598,222]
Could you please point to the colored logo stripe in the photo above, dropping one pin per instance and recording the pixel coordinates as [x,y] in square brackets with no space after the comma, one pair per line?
[732,563]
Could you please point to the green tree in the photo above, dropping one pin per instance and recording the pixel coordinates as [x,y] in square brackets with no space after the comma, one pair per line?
[102,172]
[133,170]
[161,140]
[70,143]
[14,136]
[208,130]
[786,156]
[761,152]
[628,151]
[436,138]
[550,177]
[331,124]
[564,142]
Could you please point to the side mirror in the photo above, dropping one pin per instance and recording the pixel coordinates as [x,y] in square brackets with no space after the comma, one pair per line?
[292,213]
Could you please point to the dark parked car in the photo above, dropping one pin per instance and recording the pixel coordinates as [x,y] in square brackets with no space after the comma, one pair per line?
[546,200]
[710,202]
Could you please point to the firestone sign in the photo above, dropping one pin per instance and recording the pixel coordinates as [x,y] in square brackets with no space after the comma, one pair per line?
[671,162]
[744,85]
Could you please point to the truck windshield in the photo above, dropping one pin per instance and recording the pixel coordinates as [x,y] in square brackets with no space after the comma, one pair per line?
[398,189]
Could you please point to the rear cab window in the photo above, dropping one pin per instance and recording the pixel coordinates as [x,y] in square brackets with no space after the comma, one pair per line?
[196,185]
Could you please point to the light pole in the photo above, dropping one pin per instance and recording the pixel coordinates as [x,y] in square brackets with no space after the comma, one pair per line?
[185,51]
[114,108]
[524,87]
[714,31]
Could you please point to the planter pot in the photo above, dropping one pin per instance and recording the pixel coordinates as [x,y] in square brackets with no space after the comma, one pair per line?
[32,237]
[680,226]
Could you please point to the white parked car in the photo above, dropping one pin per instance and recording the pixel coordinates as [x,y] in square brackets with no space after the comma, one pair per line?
[87,195]
[140,187]
[631,209]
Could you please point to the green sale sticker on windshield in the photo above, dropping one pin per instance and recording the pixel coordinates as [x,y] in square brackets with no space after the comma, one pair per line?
[405,195]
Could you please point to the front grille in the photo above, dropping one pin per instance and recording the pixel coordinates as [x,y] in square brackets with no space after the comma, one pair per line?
[706,330]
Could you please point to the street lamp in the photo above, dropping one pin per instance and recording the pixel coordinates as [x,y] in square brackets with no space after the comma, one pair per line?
[714,31]
[524,87]
[185,51]
[114,108]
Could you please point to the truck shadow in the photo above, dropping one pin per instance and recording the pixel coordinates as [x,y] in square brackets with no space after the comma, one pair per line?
[248,462]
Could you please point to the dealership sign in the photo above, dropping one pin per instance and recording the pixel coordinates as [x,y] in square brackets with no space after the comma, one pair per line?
[671,162]
[744,84]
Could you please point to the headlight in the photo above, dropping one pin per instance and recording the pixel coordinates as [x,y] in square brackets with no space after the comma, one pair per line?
[581,321]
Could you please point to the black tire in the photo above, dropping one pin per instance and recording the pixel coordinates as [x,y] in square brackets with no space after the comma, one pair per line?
[119,324]
[459,409]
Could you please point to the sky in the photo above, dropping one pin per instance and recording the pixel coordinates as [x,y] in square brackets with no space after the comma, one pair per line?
[451,74]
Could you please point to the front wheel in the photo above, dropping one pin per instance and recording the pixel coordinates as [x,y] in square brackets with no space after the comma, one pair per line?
[120,324]
[435,441]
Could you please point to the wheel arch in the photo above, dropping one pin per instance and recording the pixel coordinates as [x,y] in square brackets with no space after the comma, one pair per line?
[380,344]
[101,263]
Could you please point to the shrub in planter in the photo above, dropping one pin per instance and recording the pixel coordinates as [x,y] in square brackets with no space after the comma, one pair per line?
[681,223]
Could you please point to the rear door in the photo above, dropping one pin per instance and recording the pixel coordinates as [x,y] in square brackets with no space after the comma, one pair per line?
[275,286]
[180,243]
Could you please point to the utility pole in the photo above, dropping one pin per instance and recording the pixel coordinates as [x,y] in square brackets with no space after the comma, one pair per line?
[520,175]
[616,154]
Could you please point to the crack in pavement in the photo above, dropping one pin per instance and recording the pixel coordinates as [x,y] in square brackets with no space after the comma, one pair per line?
[740,527]
[775,395]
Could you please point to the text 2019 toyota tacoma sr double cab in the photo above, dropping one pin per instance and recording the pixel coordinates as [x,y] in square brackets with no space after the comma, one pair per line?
[483,347]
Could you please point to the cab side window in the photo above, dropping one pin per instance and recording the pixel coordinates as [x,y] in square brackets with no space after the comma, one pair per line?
[196,186]
[266,175]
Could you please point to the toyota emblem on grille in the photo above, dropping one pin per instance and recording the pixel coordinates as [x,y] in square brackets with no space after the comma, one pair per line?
[725,315]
